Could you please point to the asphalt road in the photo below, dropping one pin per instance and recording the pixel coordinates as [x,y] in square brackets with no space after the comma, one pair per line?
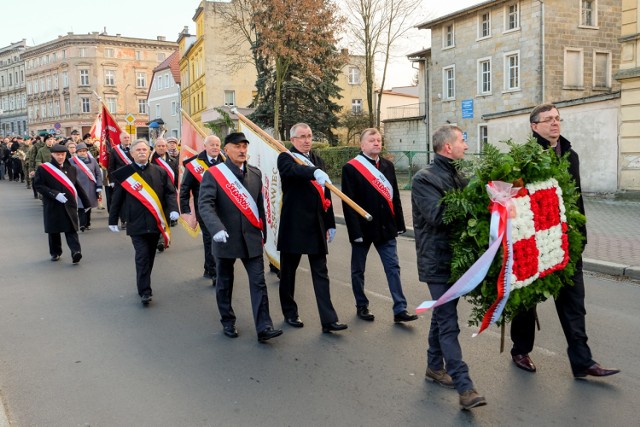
[78,349]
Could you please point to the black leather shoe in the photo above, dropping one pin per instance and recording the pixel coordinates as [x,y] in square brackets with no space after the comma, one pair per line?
[295,322]
[365,314]
[160,246]
[524,362]
[332,327]
[230,331]
[596,370]
[404,316]
[146,299]
[76,257]
[207,275]
[269,333]
[55,258]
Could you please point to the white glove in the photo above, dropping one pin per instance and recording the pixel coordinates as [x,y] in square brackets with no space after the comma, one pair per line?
[87,210]
[114,228]
[111,184]
[173,216]
[61,198]
[98,190]
[331,233]
[321,177]
[220,236]
[358,240]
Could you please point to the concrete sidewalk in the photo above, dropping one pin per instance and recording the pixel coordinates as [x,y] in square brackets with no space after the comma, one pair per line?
[613,230]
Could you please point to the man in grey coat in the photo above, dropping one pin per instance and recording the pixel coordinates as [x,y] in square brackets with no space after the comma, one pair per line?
[231,206]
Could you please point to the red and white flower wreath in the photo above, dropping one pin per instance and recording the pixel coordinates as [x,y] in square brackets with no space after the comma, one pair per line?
[539,233]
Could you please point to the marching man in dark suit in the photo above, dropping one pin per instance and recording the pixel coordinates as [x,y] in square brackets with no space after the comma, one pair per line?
[57,182]
[119,156]
[232,208]
[143,194]
[194,169]
[370,181]
[306,224]
[165,161]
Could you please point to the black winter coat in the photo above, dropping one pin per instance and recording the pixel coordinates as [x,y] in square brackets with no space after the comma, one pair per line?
[432,237]
[191,185]
[59,217]
[303,220]
[139,219]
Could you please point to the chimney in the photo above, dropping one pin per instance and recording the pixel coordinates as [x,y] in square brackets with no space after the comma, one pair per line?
[162,38]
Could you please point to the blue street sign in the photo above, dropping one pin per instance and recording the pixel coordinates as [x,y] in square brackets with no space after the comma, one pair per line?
[467,108]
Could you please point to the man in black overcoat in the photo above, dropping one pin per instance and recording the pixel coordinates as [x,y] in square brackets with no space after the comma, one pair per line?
[145,225]
[306,225]
[57,182]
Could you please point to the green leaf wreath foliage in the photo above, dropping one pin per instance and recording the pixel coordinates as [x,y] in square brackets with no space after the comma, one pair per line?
[467,213]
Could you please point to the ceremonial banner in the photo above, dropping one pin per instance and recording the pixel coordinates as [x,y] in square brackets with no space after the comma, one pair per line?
[264,156]
[191,144]
[109,136]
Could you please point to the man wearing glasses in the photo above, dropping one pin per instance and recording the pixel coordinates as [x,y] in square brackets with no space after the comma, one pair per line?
[307,223]
[545,123]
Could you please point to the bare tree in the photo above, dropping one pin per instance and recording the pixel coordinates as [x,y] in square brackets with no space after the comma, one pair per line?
[377,25]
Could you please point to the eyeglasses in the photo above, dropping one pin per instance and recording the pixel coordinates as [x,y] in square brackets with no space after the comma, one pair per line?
[550,120]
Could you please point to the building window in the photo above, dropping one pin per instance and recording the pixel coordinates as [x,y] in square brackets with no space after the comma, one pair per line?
[67,106]
[512,71]
[85,105]
[109,77]
[112,104]
[142,106]
[602,70]
[82,52]
[109,53]
[354,76]
[166,81]
[230,97]
[573,68]
[174,108]
[48,82]
[356,106]
[55,82]
[589,13]
[483,137]
[138,55]
[36,89]
[28,86]
[141,80]
[158,111]
[43,111]
[512,17]
[448,38]
[161,56]
[484,76]
[56,107]
[484,25]
[64,54]
[65,80]
[449,83]
[84,77]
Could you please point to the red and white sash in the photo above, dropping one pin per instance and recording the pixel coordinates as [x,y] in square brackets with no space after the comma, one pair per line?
[325,202]
[122,155]
[197,167]
[375,178]
[238,193]
[83,167]
[141,190]
[164,165]
[61,177]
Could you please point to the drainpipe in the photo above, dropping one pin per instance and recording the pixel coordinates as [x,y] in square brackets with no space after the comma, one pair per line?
[542,53]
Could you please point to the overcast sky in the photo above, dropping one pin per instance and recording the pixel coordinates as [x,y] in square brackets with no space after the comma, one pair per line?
[39,21]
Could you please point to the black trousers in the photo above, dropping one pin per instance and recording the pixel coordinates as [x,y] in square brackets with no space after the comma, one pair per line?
[320,278]
[55,243]
[571,312]
[257,290]
[207,241]
[84,217]
[145,246]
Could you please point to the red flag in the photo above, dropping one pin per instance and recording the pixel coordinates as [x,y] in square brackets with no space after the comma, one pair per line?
[191,144]
[96,128]
[109,137]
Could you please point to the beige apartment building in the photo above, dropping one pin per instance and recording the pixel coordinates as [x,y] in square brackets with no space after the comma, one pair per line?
[65,78]
[489,64]
[629,78]
[13,95]
[215,66]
